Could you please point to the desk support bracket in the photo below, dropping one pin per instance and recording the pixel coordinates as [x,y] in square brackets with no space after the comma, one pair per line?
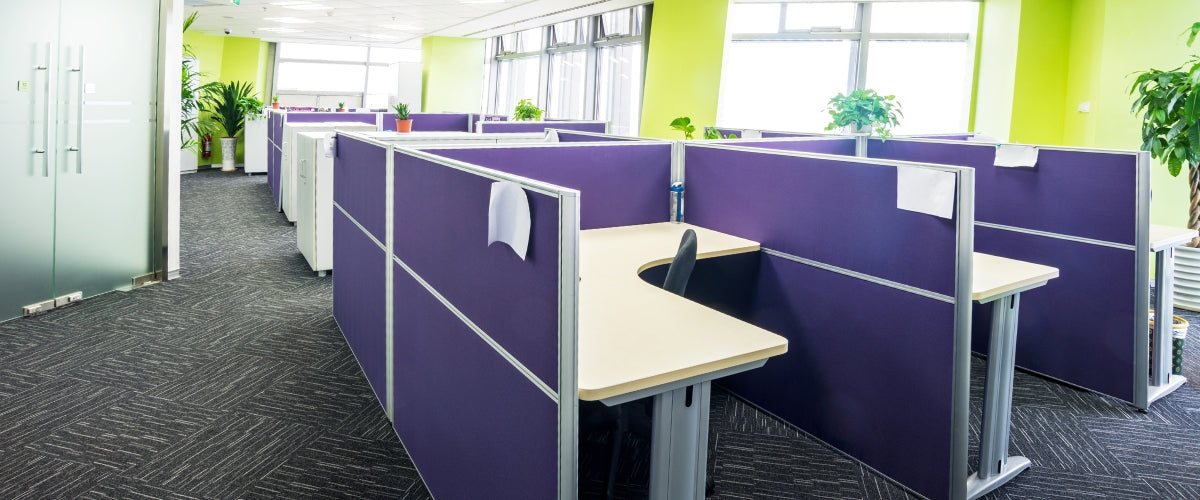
[995,466]
[679,446]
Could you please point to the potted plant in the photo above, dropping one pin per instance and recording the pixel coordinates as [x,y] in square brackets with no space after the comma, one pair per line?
[403,122]
[192,128]
[274,102]
[341,107]
[864,112]
[252,108]
[684,124]
[527,111]
[227,102]
[713,133]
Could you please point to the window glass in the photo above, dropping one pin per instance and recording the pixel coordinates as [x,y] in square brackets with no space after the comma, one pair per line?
[760,91]
[322,52]
[616,23]
[924,17]
[517,79]
[619,92]
[304,76]
[754,18]
[929,79]
[808,16]
[381,55]
[382,83]
[569,33]
[568,79]
[530,40]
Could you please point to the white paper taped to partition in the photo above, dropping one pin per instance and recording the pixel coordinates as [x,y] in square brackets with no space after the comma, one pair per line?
[751,134]
[551,135]
[508,217]
[926,191]
[330,144]
[1013,155]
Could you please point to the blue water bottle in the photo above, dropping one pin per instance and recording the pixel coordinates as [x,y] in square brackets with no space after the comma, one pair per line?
[676,202]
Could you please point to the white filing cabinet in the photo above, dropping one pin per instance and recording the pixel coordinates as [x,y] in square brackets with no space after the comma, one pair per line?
[287,163]
[256,145]
[314,201]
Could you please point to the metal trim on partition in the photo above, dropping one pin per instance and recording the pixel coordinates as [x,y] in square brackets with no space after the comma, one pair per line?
[568,334]
[389,215]
[677,155]
[823,156]
[862,276]
[1077,239]
[960,417]
[360,228]
[1141,283]
[606,134]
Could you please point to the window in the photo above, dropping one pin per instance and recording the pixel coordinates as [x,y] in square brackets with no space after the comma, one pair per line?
[582,69]
[324,75]
[785,60]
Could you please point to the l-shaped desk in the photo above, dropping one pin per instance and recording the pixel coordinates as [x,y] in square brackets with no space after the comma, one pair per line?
[638,340]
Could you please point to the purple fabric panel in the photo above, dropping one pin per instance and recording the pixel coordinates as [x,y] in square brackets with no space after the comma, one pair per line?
[473,425]
[441,228]
[305,117]
[389,122]
[951,137]
[565,136]
[619,185]
[836,212]
[277,120]
[359,185]
[526,127]
[1079,327]
[358,299]
[830,146]
[772,135]
[876,386]
[439,122]
[1084,194]
[273,164]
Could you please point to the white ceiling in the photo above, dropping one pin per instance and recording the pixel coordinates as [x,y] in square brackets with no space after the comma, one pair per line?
[392,23]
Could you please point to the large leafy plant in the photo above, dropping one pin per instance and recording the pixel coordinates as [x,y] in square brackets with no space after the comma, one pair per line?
[227,104]
[864,110]
[526,111]
[192,128]
[1169,105]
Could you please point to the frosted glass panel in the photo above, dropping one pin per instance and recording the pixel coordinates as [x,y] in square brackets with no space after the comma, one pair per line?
[929,79]
[568,85]
[774,85]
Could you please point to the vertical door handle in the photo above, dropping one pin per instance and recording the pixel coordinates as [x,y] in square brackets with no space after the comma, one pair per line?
[45,111]
[78,148]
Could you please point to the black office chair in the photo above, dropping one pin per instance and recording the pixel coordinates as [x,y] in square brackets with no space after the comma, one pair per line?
[637,414]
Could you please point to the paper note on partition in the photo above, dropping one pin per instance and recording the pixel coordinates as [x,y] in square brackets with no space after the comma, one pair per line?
[925,190]
[508,217]
[1013,155]
[551,135]
[330,144]
[751,134]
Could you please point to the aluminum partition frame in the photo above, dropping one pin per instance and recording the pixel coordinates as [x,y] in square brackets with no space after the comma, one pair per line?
[964,251]
[1143,393]
[478,128]
[568,293]
[604,136]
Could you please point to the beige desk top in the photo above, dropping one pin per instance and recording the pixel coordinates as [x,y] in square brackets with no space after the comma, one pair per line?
[1164,237]
[634,335]
[996,276]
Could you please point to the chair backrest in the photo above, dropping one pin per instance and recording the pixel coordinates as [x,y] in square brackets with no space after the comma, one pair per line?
[682,264]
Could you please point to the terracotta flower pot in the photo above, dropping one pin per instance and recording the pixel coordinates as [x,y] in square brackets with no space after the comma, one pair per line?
[275,105]
[404,125]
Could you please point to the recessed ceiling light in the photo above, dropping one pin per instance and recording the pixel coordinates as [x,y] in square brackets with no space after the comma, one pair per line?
[279,30]
[288,20]
[379,37]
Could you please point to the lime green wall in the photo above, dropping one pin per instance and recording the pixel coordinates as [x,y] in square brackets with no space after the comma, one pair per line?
[451,74]
[226,59]
[683,66]
[1040,83]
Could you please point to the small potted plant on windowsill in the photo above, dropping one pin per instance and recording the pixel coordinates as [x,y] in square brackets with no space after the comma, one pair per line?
[403,122]
[341,107]
[527,111]
[274,102]
[864,113]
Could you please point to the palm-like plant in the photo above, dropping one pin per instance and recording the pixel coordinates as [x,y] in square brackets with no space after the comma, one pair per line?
[192,128]
[226,103]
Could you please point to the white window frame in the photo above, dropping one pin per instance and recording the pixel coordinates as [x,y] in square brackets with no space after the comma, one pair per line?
[366,65]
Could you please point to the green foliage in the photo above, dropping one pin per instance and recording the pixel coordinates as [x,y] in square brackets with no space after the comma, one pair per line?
[252,107]
[226,102]
[526,111]
[192,128]
[684,124]
[864,109]
[274,98]
[341,105]
[1169,103]
[713,133]
[401,111]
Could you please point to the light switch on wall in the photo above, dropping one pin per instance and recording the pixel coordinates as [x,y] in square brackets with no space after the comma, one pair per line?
[1085,107]
[23,86]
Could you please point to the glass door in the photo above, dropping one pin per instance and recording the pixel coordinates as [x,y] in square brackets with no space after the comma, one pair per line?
[29,37]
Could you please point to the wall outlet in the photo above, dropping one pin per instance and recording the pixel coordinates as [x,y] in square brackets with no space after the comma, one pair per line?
[24,86]
[1085,107]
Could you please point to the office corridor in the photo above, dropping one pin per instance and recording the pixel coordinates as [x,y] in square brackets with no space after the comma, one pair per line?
[234,382]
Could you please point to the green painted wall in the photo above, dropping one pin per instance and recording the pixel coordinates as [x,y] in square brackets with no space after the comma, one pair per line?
[228,58]
[451,74]
[683,66]
[1040,83]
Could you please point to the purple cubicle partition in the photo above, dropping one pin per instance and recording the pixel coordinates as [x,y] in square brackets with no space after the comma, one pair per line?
[318,117]
[526,127]
[1078,211]
[361,172]
[770,134]
[872,299]
[830,145]
[577,136]
[603,171]
[275,154]
[432,122]
[358,298]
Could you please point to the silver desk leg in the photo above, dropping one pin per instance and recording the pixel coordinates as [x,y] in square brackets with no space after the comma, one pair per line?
[995,466]
[1161,380]
[679,447]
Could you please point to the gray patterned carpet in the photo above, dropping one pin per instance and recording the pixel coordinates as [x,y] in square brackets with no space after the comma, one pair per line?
[234,382]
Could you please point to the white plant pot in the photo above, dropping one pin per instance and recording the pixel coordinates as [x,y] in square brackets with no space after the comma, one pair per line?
[228,154]
[1187,278]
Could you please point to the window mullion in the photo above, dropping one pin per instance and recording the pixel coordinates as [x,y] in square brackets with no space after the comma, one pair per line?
[863,21]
